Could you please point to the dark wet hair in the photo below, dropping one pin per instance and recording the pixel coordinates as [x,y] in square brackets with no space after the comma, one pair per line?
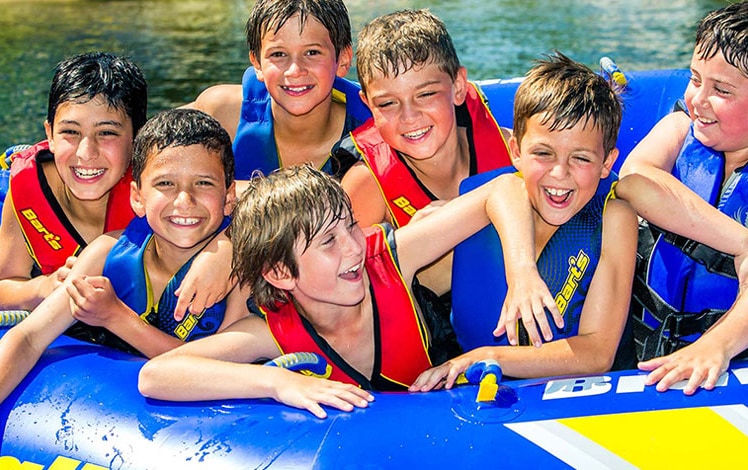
[119,80]
[180,128]
[271,15]
[725,30]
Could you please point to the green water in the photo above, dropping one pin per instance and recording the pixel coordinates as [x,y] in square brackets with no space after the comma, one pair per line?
[184,46]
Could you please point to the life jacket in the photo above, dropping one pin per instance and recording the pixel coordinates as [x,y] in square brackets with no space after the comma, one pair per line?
[50,236]
[401,344]
[567,264]
[254,144]
[683,286]
[126,270]
[399,186]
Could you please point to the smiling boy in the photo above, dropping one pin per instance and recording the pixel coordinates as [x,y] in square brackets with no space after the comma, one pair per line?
[294,103]
[566,121]
[693,164]
[124,281]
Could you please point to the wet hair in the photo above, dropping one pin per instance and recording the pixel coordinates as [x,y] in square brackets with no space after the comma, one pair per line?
[566,92]
[273,214]
[82,77]
[271,15]
[180,128]
[726,31]
[395,43]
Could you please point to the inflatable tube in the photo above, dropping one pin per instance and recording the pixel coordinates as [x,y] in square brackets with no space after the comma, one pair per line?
[80,409]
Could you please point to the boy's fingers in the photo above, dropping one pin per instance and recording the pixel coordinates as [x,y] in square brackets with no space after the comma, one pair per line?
[532,331]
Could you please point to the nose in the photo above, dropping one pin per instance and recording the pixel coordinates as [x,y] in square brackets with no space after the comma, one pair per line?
[184,199]
[560,169]
[699,96]
[295,68]
[87,149]
[410,112]
[352,246]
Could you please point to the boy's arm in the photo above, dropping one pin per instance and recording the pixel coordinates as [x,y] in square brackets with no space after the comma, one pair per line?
[601,324]
[236,307]
[224,103]
[95,303]
[18,290]
[208,280]
[527,295]
[708,357]
[219,367]
[368,205]
[22,345]
[647,178]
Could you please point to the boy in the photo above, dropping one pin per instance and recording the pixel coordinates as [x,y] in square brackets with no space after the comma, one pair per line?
[71,188]
[293,105]
[123,281]
[692,164]
[431,128]
[566,121]
[324,286]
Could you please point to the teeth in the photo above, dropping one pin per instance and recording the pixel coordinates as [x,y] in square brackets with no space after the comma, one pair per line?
[354,269]
[184,220]
[297,89]
[557,192]
[88,173]
[416,134]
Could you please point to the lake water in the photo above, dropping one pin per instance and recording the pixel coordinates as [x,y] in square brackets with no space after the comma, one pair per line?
[184,46]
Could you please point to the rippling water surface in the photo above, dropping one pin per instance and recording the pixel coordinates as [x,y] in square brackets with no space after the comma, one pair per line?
[185,45]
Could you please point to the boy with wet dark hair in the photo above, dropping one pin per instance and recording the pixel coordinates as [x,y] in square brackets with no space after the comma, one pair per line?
[74,186]
[293,104]
[691,318]
[124,281]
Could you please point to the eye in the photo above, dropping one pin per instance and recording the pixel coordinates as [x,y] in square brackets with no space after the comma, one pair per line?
[313,52]
[696,81]
[328,239]
[385,104]
[68,132]
[721,91]
[109,133]
[207,183]
[163,184]
[277,54]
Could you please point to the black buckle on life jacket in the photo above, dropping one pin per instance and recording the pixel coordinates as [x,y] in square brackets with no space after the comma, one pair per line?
[714,261]
[682,325]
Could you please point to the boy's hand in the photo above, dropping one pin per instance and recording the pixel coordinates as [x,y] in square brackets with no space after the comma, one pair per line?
[527,298]
[93,300]
[700,363]
[208,279]
[57,278]
[301,391]
[445,375]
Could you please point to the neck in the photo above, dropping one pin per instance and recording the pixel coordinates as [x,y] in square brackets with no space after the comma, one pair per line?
[442,173]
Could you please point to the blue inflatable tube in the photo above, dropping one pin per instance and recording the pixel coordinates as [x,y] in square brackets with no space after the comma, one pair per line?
[80,409]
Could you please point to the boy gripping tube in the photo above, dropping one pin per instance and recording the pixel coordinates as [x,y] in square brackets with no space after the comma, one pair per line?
[400,189]
[50,237]
[677,319]
[400,335]
[126,270]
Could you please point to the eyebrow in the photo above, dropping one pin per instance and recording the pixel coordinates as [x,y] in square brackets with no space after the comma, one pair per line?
[98,124]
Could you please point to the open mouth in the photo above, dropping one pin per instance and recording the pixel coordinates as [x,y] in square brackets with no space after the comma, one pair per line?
[354,273]
[558,196]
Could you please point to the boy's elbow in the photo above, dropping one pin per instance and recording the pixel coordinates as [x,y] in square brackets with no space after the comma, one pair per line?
[148,380]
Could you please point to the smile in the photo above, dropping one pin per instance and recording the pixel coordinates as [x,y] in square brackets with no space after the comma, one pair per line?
[417,134]
[297,89]
[185,221]
[88,173]
[558,195]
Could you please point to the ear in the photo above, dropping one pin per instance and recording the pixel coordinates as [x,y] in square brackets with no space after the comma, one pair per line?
[257,66]
[610,159]
[363,97]
[48,131]
[460,86]
[280,277]
[228,205]
[345,60]
[136,200]
[514,152]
